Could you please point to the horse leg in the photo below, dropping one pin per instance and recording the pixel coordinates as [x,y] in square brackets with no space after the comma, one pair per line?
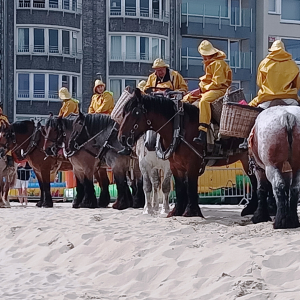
[138,197]
[261,214]
[280,191]
[166,188]
[2,202]
[103,180]
[123,201]
[293,220]
[79,194]
[5,192]
[42,196]
[89,199]
[147,186]
[181,193]
[47,192]
[155,180]
[192,208]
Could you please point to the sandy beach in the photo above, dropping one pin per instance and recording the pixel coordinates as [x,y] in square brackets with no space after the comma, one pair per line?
[64,253]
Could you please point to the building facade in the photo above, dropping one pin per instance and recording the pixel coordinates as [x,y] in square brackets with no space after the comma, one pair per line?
[230,26]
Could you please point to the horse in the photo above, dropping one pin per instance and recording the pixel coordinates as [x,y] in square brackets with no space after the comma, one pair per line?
[85,136]
[8,177]
[150,165]
[187,161]
[274,145]
[29,135]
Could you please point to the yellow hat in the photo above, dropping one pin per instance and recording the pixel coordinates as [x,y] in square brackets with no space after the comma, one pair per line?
[98,82]
[141,85]
[159,63]
[64,94]
[206,48]
[277,45]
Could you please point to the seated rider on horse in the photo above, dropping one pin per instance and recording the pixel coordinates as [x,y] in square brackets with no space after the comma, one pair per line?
[164,79]
[277,78]
[69,105]
[212,86]
[4,122]
[102,100]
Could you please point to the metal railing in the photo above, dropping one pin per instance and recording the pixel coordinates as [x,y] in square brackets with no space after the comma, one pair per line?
[136,57]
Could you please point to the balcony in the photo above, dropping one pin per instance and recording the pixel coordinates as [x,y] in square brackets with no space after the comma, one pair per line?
[136,57]
[213,21]
[142,12]
[56,5]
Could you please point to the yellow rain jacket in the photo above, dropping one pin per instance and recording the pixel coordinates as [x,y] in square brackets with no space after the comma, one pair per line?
[277,78]
[69,106]
[176,82]
[102,103]
[3,120]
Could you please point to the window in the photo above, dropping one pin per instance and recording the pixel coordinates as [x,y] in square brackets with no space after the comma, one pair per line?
[290,10]
[214,8]
[131,83]
[65,81]
[74,43]
[74,86]
[130,7]
[53,3]
[23,40]
[155,8]
[39,86]
[293,47]
[130,47]
[235,12]
[53,86]
[163,49]
[74,5]
[115,7]
[144,48]
[66,4]
[39,3]
[23,85]
[24,3]
[235,54]
[116,88]
[155,48]
[116,47]
[65,42]
[272,5]
[144,8]
[39,45]
[53,41]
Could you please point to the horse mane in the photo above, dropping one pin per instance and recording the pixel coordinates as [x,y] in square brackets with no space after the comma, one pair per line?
[21,127]
[96,122]
[160,104]
[67,122]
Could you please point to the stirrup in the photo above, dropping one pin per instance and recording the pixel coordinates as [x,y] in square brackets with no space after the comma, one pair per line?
[244,144]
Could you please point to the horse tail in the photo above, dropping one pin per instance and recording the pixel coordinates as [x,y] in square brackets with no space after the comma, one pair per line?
[289,121]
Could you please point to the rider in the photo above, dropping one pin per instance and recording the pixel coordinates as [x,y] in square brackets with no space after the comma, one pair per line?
[164,79]
[102,100]
[213,85]
[277,76]
[69,106]
[141,85]
[4,121]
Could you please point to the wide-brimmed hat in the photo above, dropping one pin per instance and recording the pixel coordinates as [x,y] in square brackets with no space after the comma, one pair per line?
[141,85]
[159,63]
[277,45]
[98,82]
[64,94]
[206,48]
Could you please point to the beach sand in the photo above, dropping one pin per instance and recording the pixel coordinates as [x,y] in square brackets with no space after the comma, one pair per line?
[64,253]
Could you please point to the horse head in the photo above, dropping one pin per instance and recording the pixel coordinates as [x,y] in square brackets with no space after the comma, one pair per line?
[135,122]
[78,132]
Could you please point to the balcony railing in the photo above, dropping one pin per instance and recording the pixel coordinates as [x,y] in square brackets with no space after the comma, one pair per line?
[65,5]
[135,57]
[51,50]
[39,94]
[53,95]
[143,12]
[23,94]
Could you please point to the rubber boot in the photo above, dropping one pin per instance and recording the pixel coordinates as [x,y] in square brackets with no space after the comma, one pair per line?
[201,139]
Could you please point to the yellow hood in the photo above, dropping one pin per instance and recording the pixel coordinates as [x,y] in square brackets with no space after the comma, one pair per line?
[220,55]
[280,55]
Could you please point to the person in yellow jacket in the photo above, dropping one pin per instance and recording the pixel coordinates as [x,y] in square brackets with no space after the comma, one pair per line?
[4,122]
[213,85]
[102,101]
[141,85]
[277,76]
[164,79]
[69,106]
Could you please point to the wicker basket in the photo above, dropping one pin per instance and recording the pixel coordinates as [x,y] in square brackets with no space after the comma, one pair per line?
[231,96]
[117,113]
[237,120]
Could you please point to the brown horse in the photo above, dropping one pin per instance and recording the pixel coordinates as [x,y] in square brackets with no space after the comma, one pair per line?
[143,113]
[26,140]
[274,145]
[85,136]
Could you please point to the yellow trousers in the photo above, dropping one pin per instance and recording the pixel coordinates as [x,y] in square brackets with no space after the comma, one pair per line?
[204,106]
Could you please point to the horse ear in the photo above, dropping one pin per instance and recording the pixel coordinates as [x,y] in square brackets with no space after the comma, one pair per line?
[138,93]
[81,115]
[50,114]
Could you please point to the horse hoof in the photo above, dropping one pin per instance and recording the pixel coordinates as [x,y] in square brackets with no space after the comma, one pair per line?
[120,205]
[248,210]
[48,205]
[260,218]
[284,223]
[39,204]
[174,213]
[193,213]
[75,206]
[86,205]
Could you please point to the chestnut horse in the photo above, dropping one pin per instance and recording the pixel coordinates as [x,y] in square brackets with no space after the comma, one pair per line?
[142,113]
[274,145]
[84,136]
[26,140]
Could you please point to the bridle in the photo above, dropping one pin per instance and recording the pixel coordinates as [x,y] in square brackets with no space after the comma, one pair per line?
[56,143]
